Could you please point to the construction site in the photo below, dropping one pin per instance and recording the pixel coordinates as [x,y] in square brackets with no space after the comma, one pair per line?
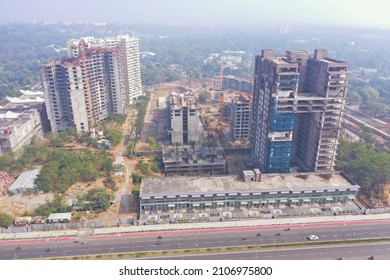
[215,113]
[211,121]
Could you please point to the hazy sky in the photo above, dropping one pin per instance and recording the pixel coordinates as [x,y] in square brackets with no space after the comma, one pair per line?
[368,13]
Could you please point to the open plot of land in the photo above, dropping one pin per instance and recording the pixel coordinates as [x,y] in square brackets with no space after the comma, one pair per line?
[17,204]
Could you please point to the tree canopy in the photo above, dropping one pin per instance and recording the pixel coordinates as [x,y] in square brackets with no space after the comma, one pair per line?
[368,167]
[5,220]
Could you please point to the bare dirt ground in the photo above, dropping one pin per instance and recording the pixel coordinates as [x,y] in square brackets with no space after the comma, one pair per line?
[156,122]
[17,204]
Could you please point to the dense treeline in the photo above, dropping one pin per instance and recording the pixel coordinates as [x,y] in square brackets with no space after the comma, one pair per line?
[182,51]
[65,168]
[367,166]
[61,168]
[371,100]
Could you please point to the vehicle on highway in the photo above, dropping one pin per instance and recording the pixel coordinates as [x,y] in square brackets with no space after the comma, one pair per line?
[258,234]
[76,241]
[48,250]
[340,258]
[159,237]
[313,237]
[244,238]
[287,229]
[83,242]
[18,248]
[371,258]
[158,243]
[278,234]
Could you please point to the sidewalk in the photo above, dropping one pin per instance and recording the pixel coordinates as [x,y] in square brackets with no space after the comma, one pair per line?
[292,222]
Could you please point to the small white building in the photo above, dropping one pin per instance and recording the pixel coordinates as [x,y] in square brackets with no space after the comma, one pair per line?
[59,218]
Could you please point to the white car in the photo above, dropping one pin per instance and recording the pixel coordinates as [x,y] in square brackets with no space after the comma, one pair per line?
[312,237]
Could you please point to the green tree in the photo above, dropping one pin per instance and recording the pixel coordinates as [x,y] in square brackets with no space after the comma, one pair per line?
[48,177]
[157,165]
[100,197]
[151,141]
[114,135]
[368,167]
[5,161]
[107,166]
[144,167]
[136,178]
[110,183]
[367,135]
[5,220]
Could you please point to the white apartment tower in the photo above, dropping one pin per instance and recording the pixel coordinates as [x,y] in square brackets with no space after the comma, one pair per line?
[101,76]
[185,122]
[124,54]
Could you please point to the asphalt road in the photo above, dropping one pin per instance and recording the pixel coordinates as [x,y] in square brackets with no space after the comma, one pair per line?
[147,241]
[380,251]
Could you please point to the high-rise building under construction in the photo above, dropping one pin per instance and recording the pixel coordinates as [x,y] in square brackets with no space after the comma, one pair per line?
[298,100]
[100,77]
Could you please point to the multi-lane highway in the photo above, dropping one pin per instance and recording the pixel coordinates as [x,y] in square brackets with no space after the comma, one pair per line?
[380,251]
[147,241]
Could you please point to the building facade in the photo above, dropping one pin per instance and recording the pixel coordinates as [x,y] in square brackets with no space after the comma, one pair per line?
[122,62]
[170,194]
[186,160]
[100,77]
[17,128]
[298,100]
[241,117]
[33,100]
[65,95]
[185,122]
[237,83]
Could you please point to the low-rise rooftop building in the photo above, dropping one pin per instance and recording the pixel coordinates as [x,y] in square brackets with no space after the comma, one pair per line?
[196,193]
[186,160]
[25,181]
[59,217]
[17,128]
[237,83]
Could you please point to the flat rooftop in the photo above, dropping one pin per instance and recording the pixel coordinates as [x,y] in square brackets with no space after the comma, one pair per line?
[197,156]
[14,118]
[181,100]
[26,180]
[227,184]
